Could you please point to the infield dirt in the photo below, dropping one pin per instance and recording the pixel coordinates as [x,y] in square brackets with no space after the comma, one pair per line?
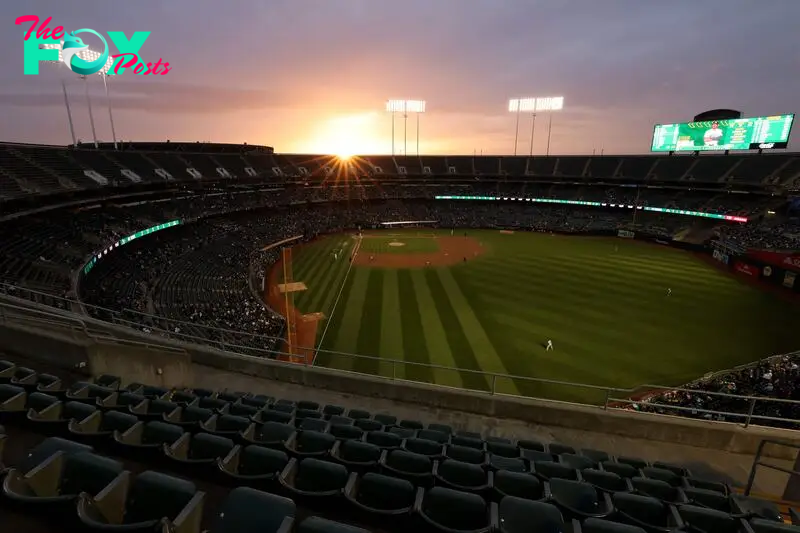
[452,250]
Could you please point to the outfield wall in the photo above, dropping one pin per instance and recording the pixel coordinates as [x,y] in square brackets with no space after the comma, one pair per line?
[514,417]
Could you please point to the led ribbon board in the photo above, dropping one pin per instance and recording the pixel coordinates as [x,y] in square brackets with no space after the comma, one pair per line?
[599,204]
[125,240]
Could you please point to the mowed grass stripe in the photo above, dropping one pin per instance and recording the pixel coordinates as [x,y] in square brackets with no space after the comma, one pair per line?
[391,330]
[342,335]
[460,346]
[369,337]
[485,354]
[436,340]
[324,298]
[414,349]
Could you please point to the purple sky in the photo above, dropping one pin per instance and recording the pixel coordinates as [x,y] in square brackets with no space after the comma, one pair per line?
[313,75]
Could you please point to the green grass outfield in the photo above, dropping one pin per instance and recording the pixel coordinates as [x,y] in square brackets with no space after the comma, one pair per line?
[601,300]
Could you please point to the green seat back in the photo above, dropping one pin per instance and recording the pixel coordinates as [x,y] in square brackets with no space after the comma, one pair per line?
[518,484]
[467,442]
[552,470]
[605,480]
[386,420]
[48,447]
[575,495]
[662,474]
[161,407]
[454,509]
[434,435]
[87,472]
[39,401]
[503,449]
[384,439]
[257,460]
[207,446]
[314,475]
[655,488]
[359,452]
[642,508]
[464,474]
[346,432]
[314,441]
[499,462]
[195,414]
[157,432]
[464,454]
[232,423]
[519,515]
[622,470]
[77,410]
[117,421]
[274,432]
[384,492]
[708,520]
[358,413]
[154,495]
[442,428]
[408,462]
[424,447]
[246,510]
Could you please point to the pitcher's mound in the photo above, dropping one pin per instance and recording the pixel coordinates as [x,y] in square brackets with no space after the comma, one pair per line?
[313,317]
[292,287]
[395,243]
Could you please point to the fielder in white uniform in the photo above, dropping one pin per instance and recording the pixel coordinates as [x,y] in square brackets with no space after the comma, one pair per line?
[549,345]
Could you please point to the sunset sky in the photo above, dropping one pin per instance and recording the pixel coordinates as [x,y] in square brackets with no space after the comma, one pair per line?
[312,76]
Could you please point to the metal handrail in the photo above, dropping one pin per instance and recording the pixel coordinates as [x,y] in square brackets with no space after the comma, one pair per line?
[758,462]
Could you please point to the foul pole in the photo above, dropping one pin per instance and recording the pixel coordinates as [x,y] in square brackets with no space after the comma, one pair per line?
[291,332]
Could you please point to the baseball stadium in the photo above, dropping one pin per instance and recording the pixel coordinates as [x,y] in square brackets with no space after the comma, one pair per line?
[231,337]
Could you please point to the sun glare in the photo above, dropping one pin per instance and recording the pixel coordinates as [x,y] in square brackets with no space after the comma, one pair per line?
[347,136]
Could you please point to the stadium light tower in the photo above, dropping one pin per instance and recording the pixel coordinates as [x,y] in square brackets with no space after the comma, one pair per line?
[86,55]
[405,107]
[532,106]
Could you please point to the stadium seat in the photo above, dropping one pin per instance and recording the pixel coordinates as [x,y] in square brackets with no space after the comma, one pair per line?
[253,465]
[499,462]
[151,500]
[247,510]
[703,520]
[598,456]
[408,424]
[465,454]
[182,397]
[153,409]
[48,447]
[383,439]
[606,481]
[548,470]
[51,488]
[357,414]
[675,469]
[313,478]
[432,449]
[229,426]
[468,442]
[108,381]
[201,450]
[333,410]
[519,485]
[580,500]
[83,391]
[578,462]
[558,449]
[270,434]
[711,500]
[189,418]
[257,400]
[403,433]
[432,434]
[598,525]
[384,497]
[342,432]
[14,403]
[239,409]
[441,428]
[756,508]
[449,510]
[55,418]
[518,515]
[146,440]
[636,463]
[271,415]
[621,469]
[760,525]
[316,524]
[662,474]
[531,445]
[385,420]
[657,489]
[698,483]
[356,456]
[465,477]
[308,405]
[99,426]
[313,424]
[414,467]
[648,513]
[120,401]
[310,444]
[212,402]
[340,420]
[366,424]
[503,449]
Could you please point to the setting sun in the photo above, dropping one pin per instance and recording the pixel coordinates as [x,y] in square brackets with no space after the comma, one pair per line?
[346,136]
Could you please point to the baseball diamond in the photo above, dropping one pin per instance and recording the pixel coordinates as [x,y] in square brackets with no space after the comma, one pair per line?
[491,300]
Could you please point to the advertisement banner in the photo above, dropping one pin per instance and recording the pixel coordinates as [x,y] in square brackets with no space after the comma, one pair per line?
[767,271]
[746,269]
[789,261]
[625,234]
[721,257]
[788,279]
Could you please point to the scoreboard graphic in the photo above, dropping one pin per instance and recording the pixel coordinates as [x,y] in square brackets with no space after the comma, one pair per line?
[757,133]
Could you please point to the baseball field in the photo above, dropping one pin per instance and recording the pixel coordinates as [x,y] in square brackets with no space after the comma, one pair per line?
[619,313]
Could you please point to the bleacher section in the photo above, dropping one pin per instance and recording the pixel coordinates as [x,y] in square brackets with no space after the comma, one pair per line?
[101,455]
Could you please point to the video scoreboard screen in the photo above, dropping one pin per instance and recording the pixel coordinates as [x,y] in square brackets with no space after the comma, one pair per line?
[758,133]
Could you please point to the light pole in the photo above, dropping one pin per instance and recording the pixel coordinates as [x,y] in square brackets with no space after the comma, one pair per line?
[532,106]
[533,130]
[86,55]
[405,107]
[110,116]
[518,106]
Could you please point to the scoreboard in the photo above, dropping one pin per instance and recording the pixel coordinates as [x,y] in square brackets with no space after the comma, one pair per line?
[757,133]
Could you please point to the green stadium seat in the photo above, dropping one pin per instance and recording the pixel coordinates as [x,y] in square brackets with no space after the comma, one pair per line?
[519,485]
[606,481]
[385,420]
[468,434]
[430,448]
[403,433]
[201,450]
[108,381]
[648,513]
[239,409]
[308,405]
[598,456]
[710,499]
[675,469]
[302,414]
[356,456]
[83,391]
[441,428]
[465,454]
[149,502]
[660,490]
[406,465]
[312,424]
[578,462]
[14,403]
[316,524]
[120,401]
[339,420]
[368,425]
[638,464]
[146,440]
[557,448]
[756,508]
[517,464]
[547,470]
[247,510]
[100,426]
[358,414]
[271,415]
[449,510]
[229,426]
[257,400]
[155,392]
[55,419]
[662,474]
[210,402]
[535,455]
[48,447]
[435,435]
[310,477]
[52,487]
[504,449]
[153,409]
[383,439]
[520,515]
[621,469]
[598,525]
[182,397]
[190,418]
[346,432]
[310,444]
[705,484]
[411,424]
[533,445]
[704,520]
[468,442]
[333,410]
[465,477]
[254,466]
[580,500]
[383,497]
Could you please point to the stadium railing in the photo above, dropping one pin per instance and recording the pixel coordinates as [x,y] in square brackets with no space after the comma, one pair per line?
[16,308]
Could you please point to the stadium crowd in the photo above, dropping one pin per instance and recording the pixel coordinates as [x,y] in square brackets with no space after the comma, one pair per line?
[777,378]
